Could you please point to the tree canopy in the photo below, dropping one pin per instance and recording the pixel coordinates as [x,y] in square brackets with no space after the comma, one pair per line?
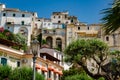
[93,56]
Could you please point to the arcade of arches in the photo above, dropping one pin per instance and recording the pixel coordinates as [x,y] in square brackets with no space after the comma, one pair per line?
[54,42]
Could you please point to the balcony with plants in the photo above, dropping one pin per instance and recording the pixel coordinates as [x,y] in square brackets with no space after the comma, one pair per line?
[16,41]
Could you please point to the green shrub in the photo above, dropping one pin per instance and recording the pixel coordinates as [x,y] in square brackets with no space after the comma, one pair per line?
[5,72]
[81,76]
[23,73]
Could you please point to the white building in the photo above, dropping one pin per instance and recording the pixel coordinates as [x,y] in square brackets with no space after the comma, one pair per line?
[49,62]
[63,17]
[16,21]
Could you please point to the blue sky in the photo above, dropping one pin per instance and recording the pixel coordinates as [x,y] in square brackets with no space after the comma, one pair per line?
[87,11]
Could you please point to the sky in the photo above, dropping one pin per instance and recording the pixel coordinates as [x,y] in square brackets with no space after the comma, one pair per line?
[87,11]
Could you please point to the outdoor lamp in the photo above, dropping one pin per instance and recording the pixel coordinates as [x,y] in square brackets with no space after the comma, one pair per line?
[34,46]
[34,49]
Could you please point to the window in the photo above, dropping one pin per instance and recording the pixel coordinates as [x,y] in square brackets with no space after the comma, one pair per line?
[88,27]
[44,31]
[58,16]
[33,14]
[78,28]
[66,22]
[22,22]
[71,20]
[23,15]
[3,61]
[107,38]
[65,16]
[9,23]
[13,15]
[54,31]
[4,14]
[18,63]
[48,24]
[59,21]
[44,24]
[8,27]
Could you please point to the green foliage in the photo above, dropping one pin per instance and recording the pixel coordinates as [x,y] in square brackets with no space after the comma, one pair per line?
[80,48]
[58,49]
[72,71]
[5,72]
[2,36]
[101,78]
[17,38]
[23,73]
[44,41]
[81,76]
[20,39]
[76,73]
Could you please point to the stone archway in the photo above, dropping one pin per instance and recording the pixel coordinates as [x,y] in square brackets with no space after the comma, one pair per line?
[49,41]
[59,43]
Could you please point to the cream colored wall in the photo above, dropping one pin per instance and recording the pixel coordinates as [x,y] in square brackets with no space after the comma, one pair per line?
[11,59]
[112,39]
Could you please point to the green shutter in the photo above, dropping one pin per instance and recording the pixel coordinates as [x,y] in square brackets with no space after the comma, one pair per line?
[3,61]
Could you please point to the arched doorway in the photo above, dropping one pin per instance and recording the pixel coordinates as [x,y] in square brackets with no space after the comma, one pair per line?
[59,43]
[49,41]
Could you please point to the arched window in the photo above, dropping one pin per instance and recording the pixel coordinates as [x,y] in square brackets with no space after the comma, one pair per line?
[107,38]
[59,43]
[23,31]
[49,41]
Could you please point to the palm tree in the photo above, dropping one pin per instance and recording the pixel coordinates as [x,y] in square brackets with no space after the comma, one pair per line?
[111,19]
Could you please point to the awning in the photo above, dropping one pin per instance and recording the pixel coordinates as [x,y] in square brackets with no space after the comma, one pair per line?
[37,66]
[60,72]
[50,68]
[44,69]
[55,71]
